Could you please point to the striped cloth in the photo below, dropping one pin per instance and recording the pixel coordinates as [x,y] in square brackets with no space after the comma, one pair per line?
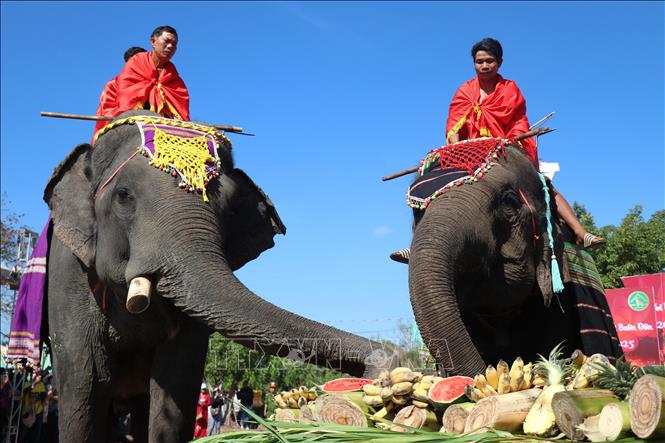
[596,325]
[25,333]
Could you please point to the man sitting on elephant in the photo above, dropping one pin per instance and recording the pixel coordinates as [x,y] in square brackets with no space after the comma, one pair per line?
[490,106]
[149,80]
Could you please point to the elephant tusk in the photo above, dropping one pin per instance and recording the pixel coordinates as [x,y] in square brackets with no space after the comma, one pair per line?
[138,295]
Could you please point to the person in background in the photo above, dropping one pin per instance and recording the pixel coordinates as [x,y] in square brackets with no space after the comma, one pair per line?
[269,405]
[204,402]
[246,397]
[216,412]
[108,98]
[5,402]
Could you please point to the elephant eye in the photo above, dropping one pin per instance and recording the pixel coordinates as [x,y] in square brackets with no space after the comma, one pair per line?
[123,195]
[510,199]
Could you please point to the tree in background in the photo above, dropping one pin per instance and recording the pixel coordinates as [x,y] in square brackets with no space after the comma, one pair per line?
[634,247]
[230,364]
[9,228]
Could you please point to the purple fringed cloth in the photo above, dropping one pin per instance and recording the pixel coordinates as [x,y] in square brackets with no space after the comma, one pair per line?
[25,338]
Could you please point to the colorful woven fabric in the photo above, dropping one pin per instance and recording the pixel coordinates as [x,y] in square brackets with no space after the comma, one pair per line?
[596,325]
[25,333]
[475,157]
[179,148]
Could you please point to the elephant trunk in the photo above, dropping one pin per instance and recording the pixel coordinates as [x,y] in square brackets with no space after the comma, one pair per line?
[219,300]
[440,242]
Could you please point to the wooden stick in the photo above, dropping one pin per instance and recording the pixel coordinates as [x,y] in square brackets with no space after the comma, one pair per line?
[517,138]
[234,129]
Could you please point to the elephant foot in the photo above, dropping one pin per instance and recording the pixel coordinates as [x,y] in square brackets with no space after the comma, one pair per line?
[402,255]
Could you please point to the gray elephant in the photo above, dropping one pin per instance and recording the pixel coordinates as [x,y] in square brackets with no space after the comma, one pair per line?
[118,222]
[480,274]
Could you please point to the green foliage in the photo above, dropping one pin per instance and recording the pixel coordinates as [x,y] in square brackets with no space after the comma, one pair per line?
[634,247]
[230,364]
[9,227]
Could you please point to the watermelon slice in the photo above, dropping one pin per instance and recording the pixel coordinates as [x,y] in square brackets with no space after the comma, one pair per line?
[449,390]
[345,385]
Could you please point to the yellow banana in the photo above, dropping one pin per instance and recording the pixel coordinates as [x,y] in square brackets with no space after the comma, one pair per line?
[372,400]
[371,390]
[302,402]
[400,400]
[286,395]
[502,368]
[386,394]
[420,404]
[402,388]
[384,411]
[516,383]
[419,394]
[492,376]
[516,368]
[402,377]
[429,379]
[398,370]
[504,384]
[292,403]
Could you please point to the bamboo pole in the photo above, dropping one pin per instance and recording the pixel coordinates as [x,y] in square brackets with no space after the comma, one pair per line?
[647,412]
[234,129]
[572,407]
[535,132]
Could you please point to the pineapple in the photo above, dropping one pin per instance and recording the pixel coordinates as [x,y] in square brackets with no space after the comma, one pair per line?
[618,379]
[553,371]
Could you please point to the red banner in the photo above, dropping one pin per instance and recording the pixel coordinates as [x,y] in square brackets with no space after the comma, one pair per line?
[657,283]
[634,313]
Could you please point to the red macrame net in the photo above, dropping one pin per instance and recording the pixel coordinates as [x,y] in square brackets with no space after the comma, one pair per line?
[467,155]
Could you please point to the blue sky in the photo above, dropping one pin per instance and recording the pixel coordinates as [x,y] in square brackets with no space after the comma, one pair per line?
[340,94]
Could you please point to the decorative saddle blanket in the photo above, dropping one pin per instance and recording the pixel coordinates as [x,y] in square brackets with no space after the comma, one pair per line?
[452,165]
[25,334]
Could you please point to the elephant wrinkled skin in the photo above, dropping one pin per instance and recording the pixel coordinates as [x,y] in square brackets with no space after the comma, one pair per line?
[477,275]
[109,362]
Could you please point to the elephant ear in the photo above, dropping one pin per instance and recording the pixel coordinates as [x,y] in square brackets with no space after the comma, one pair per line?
[69,197]
[544,261]
[253,223]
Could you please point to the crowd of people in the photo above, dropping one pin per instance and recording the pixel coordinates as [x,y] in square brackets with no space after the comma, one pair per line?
[30,392]
[220,408]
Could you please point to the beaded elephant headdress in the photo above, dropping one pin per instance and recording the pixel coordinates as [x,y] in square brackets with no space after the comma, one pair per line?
[181,149]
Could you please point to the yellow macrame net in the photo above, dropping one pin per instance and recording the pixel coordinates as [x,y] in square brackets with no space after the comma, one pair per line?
[187,155]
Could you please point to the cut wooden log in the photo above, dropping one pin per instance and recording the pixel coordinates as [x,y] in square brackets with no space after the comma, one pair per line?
[647,412]
[454,418]
[614,421]
[415,417]
[505,412]
[287,415]
[572,407]
[342,409]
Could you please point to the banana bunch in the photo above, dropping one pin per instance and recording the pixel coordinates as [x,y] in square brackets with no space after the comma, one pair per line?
[585,369]
[295,398]
[502,380]
[398,388]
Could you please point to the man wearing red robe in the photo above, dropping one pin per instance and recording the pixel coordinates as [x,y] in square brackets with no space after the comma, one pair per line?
[489,105]
[108,99]
[149,80]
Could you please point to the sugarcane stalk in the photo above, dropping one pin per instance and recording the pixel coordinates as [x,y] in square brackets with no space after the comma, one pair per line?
[590,428]
[454,418]
[647,412]
[614,421]
[505,412]
[415,417]
[342,409]
[572,407]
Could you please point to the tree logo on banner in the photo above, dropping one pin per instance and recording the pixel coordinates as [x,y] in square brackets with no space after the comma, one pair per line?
[638,301]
